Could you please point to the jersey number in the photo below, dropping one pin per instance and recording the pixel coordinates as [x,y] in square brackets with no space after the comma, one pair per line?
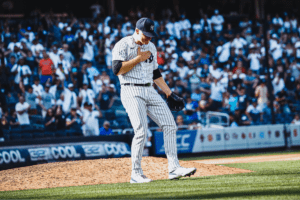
[149,60]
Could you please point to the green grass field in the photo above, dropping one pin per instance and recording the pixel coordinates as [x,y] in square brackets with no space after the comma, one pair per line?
[271,180]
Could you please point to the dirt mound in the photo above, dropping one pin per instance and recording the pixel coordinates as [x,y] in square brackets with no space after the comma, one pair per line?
[92,172]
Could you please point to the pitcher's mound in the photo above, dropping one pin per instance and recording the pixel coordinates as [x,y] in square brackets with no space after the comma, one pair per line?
[92,172]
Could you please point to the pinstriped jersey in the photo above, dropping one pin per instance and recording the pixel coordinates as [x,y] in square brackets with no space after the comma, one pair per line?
[125,50]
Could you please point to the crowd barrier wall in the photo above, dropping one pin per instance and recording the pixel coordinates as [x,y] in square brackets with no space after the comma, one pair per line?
[16,156]
[188,141]
[227,139]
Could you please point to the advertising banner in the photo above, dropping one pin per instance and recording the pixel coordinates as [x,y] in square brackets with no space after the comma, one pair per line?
[239,138]
[257,137]
[276,135]
[295,134]
[33,154]
[210,140]
[185,142]
[236,138]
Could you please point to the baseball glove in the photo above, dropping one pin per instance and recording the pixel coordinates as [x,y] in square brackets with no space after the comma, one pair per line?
[175,102]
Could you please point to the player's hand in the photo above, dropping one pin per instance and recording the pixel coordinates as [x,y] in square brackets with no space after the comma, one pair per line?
[143,55]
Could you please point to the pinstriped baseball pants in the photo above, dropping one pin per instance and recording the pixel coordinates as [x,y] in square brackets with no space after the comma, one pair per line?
[140,102]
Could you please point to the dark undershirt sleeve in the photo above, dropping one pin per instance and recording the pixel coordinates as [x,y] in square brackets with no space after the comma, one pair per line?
[116,66]
[156,74]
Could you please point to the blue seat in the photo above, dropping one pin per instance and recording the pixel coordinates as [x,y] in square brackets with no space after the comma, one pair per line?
[61,133]
[36,119]
[101,121]
[73,133]
[49,134]
[6,134]
[16,130]
[110,115]
[26,135]
[15,136]
[38,135]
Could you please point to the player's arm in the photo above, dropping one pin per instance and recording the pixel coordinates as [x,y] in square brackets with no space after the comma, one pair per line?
[122,67]
[160,82]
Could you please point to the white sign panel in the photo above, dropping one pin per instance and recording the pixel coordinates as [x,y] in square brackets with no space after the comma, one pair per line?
[276,135]
[235,138]
[212,140]
[258,137]
[295,134]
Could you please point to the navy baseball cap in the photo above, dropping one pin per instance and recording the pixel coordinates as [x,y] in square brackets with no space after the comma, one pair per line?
[146,25]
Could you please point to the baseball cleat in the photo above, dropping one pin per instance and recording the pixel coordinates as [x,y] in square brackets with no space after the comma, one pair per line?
[181,172]
[140,179]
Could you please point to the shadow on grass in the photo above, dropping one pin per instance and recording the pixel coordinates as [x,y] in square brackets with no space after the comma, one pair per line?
[241,194]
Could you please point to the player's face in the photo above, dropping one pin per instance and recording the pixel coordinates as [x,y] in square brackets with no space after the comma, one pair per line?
[143,38]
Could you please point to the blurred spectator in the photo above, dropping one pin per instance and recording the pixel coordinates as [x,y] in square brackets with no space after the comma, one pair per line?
[206,24]
[160,57]
[97,9]
[105,98]
[61,72]
[47,100]
[217,21]
[250,82]
[38,89]
[22,109]
[254,113]
[69,37]
[105,130]
[50,121]
[86,95]
[90,70]
[238,43]
[216,95]
[46,68]
[31,99]
[36,48]
[233,101]
[68,56]
[32,62]
[261,93]
[278,84]
[196,95]
[105,77]
[290,83]
[4,122]
[243,100]
[232,120]
[297,92]
[60,119]
[22,72]
[179,122]
[281,98]
[277,22]
[296,120]
[225,103]
[74,121]
[13,119]
[70,98]
[53,55]
[254,57]
[91,126]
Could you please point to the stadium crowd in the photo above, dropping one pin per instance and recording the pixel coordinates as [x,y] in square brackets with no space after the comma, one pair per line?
[56,71]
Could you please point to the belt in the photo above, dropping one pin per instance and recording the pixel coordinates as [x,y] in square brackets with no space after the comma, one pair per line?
[134,84]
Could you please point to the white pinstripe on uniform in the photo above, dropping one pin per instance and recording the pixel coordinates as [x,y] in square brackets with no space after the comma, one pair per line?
[141,101]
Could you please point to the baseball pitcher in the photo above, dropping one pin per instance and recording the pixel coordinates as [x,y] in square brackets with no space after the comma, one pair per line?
[135,63]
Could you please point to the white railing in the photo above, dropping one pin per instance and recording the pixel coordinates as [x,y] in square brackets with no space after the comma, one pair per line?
[218,116]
